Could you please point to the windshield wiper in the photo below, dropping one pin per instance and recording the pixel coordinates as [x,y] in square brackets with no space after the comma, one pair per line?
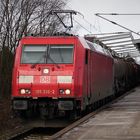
[34,65]
[44,56]
[53,61]
[47,55]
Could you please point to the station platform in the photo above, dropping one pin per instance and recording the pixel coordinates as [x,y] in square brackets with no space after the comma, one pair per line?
[119,121]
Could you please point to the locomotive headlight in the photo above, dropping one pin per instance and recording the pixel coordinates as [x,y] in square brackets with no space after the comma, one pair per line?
[46,71]
[25,91]
[28,91]
[67,91]
[61,91]
[22,91]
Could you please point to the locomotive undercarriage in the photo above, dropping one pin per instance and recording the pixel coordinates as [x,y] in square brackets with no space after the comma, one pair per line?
[47,108]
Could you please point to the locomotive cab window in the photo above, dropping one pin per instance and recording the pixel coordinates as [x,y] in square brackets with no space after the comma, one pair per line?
[50,54]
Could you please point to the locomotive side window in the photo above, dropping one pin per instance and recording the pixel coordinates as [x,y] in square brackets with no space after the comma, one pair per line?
[51,54]
[86,57]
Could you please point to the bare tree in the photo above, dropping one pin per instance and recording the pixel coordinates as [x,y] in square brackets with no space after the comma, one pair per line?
[22,17]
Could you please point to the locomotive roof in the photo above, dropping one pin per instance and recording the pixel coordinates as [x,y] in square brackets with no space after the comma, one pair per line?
[94,46]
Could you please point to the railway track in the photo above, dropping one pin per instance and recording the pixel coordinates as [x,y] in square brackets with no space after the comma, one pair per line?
[36,134]
[55,133]
[36,137]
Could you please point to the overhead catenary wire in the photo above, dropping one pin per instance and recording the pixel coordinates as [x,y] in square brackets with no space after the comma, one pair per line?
[90,25]
[85,20]
[99,15]
[82,26]
[122,14]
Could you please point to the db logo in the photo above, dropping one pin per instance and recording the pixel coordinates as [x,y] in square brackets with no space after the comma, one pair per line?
[44,79]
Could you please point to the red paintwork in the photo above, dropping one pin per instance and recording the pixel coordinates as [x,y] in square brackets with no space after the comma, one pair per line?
[37,71]
[91,81]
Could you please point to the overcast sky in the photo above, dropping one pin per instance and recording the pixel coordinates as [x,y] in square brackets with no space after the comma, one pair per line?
[89,7]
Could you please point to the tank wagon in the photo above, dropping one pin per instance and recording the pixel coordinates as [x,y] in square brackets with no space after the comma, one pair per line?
[66,75]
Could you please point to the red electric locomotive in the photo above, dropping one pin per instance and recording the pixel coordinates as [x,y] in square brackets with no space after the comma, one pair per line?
[60,75]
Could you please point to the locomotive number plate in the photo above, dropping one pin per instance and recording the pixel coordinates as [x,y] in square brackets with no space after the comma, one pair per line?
[44,91]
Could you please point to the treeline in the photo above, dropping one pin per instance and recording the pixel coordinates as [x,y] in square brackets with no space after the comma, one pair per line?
[19,18]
